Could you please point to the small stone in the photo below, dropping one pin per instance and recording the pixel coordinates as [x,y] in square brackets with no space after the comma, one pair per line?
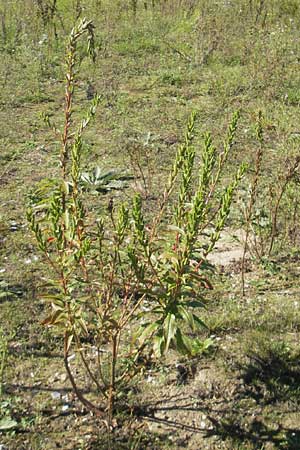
[55,377]
[55,395]
[63,377]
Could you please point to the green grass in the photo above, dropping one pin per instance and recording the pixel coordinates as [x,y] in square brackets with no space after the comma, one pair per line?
[152,71]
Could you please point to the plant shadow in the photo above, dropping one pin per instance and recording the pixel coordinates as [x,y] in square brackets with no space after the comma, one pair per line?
[272,374]
[256,435]
[270,377]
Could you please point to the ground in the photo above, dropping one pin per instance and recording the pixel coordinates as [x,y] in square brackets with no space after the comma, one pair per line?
[152,70]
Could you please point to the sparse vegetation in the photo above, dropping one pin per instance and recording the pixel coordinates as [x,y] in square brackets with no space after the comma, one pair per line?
[131,256]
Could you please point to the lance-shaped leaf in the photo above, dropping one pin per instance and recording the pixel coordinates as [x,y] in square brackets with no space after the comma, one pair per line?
[69,336]
[199,322]
[183,344]
[187,316]
[170,328]
[158,346]
[7,423]
[147,329]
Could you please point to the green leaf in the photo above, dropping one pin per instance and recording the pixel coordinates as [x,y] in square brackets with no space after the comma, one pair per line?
[187,316]
[97,172]
[55,318]
[170,328]
[156,310]
[196,304]
[52,298]
[7,423]
[201,347]
[116,184]
[58,305]
[66,217]
[175,228]
[65,187]
[83,326]
[182,343]
[68,341]
[158,346]
[148,329]
[199,322]
[170,256]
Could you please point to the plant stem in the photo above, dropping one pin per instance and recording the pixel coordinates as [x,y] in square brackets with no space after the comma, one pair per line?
[291,172]
[89,405]
[112,390]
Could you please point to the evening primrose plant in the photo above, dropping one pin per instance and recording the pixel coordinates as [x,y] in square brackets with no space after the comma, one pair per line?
[125,288]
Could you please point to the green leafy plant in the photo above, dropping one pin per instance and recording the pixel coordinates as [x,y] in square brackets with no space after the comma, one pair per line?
[7,423]
[100,180]
[248,214]
[126,287]
[268,223]
[142,163]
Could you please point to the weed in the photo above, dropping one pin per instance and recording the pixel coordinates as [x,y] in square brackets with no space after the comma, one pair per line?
[141,161]
[104,181]
[253,195]
[110,280]
[265,228]
[217,57]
